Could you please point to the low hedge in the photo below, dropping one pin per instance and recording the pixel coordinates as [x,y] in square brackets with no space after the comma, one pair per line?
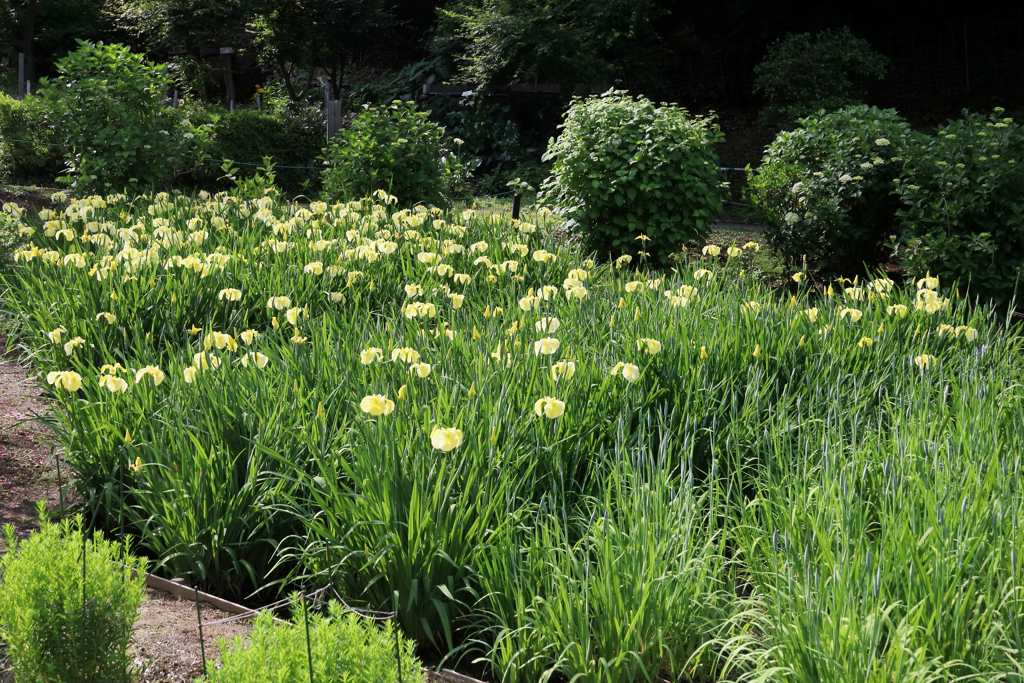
[23,162]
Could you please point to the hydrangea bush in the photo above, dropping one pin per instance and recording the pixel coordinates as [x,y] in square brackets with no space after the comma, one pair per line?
[633,177]
[963,205]
[825,190]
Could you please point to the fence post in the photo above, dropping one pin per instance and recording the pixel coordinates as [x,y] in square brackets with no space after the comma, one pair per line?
[516,200]
[229,77]
[21,74]
[333,118]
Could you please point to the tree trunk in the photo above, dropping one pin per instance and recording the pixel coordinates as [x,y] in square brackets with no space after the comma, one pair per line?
[337,74]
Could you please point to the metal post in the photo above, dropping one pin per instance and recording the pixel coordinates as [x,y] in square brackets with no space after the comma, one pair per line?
[60,487]
[21,74]
[28,88]
[309,650]
[174,102]
[199,616]
[398,652]
[229,77]
[83,577]
[516,200]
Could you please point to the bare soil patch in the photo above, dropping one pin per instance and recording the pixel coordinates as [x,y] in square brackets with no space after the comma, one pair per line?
[28,470]
[165,646]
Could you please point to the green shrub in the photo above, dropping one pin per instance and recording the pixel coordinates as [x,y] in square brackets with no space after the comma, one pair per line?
[397,149]
[963,205]
[22,161]
[246,136]
[49,636]
[345,648]
[110,110]
[825,190]
[800,74]
[624,168]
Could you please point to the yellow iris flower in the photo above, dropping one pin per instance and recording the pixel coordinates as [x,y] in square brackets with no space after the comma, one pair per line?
[546,346]
[405,354]
[68,379]
[370,355]
[279,302]
[153,371]
[565,368]
[549,407]
[653,346]
[446,439]
[113,384]
[377,404]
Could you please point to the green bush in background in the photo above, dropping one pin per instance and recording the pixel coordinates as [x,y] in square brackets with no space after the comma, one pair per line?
[246,136]
[49,636]
[110,110]
[345,648]
[801,74]
[963,205]
[825,190]
[624,168]
[24,162]
[394,148]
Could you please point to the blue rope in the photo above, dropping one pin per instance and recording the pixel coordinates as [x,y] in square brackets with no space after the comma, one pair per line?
[31,142]
[483,196]
[242,163]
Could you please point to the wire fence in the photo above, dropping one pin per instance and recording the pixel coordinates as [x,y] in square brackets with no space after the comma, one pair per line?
[981,54]
[973,54]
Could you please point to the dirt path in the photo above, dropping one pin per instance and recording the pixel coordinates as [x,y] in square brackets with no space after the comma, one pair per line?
[27,468]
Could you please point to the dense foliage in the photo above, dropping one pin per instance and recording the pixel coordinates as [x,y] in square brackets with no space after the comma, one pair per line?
[963,205]
[801,74]
[57,629]
[397,149]
[574,470]
[625,170]
[291,137]
[825,190]
[21,160]
[577,43]
[108,107]
[344,649]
